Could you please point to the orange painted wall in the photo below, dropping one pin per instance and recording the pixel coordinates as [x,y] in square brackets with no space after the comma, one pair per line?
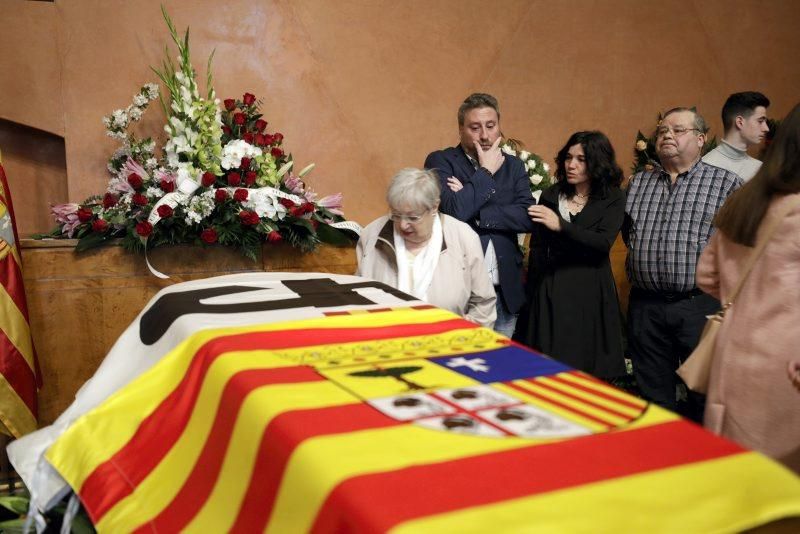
[365,87]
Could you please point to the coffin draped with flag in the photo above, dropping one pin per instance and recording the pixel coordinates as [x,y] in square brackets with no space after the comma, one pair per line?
[325,403]
[19,370]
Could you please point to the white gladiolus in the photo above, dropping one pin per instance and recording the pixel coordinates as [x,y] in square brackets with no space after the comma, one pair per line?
[524,155]
[536,179]
[530,164]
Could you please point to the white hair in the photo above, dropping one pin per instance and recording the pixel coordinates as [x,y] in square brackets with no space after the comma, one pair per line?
[414,188]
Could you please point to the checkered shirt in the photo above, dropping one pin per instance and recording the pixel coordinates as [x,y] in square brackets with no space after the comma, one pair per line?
[668,225]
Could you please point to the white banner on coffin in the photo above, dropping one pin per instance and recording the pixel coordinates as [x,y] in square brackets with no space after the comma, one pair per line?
[129,357]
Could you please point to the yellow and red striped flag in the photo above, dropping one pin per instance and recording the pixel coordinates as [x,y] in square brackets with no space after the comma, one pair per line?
[402,419]
[20,378]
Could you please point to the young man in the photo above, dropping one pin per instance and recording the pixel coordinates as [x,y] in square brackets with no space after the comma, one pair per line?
[744,117]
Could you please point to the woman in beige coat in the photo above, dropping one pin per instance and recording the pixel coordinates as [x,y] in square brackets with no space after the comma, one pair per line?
[430,255]
[749,399]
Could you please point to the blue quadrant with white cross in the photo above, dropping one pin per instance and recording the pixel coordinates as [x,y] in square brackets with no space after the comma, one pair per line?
[501,365]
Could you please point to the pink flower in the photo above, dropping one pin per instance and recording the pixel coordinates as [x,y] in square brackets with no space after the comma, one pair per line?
[131,167]
[164,176]
[332,203]
[293,183]
[66,215]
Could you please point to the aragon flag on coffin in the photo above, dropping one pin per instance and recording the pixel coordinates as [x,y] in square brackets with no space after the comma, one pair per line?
[20,377]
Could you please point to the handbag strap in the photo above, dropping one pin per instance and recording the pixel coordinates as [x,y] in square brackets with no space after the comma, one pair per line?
[760,246]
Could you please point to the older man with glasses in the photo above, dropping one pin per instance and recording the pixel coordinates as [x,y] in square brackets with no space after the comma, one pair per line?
[669,215]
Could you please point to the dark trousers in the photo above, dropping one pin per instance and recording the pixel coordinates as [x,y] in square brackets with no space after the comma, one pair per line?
[663,329]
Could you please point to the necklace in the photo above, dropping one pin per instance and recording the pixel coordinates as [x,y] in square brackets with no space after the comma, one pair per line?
[581,196]
[577,203]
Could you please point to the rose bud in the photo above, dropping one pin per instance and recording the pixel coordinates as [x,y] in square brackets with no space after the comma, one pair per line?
[239,118]
[277,138]
[139,199]
[249,218]
[286,202]
[220,196]
[261,125]
[208,179]
[167,187]
[240,195]
[144,228]
[110,200]
[268,139]
[261,140]
[245,163]
[250,177]
[276,152]
[226,130]
[165,211]
[135,180]
[99,225]
[234,179]
[249,99]
[230,104]
[209,235]
[248,138]
[274,236]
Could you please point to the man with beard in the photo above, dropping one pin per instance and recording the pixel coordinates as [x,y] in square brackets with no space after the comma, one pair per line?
[488,190]
[669,214]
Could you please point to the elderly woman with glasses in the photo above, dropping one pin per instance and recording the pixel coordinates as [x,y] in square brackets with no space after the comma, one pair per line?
[429,255]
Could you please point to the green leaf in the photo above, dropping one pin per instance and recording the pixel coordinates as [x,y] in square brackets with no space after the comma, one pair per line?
[333,236]
[90,241]
[13,526]
[15,503]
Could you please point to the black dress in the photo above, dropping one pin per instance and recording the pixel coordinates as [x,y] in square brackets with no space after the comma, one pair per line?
[574,312]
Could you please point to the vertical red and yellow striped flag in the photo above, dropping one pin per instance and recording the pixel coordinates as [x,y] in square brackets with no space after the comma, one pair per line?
[19,371]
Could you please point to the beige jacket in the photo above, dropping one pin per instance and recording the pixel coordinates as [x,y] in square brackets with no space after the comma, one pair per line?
[460,283]
[750,398]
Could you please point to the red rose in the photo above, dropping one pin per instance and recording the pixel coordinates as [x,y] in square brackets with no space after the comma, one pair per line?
[110,200]
[286,202]
[165,211]
[135,180]
[261,125]
[99,225]
[234,179]
[167,187]
[209,235]
[276,152]
[299,211]
[268,139]
[139,199]
[250,177]
[314,223]
[249,99]
[240,195]
[277,138]
[239,118]
[226,130]
[230,104]
[245,163]
[248,138]
[208,179]
[249,217]
[274,236]
[220,196]
[144,228]
[261,140]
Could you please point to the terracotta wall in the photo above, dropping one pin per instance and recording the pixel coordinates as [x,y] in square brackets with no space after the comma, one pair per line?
[365,87]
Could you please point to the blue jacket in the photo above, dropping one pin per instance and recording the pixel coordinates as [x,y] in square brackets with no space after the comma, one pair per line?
[496,207]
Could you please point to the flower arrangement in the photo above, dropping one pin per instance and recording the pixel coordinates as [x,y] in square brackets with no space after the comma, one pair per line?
[645,157]
[222,176]
[538,170]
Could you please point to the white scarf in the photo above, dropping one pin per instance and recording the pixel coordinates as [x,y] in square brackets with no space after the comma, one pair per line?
[424,263]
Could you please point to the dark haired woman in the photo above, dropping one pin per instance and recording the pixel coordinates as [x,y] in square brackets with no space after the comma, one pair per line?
[749,399]
[574,312]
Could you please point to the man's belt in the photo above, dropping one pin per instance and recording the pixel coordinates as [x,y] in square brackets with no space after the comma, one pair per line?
[666,296]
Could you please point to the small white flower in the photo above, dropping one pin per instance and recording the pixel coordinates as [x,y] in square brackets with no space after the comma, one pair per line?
[154,192]
[139,100]
[524,155]
[536,179]
[508,150]
[530,164]
[546,167]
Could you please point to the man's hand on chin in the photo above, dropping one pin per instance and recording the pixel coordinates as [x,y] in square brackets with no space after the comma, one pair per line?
[492,158]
